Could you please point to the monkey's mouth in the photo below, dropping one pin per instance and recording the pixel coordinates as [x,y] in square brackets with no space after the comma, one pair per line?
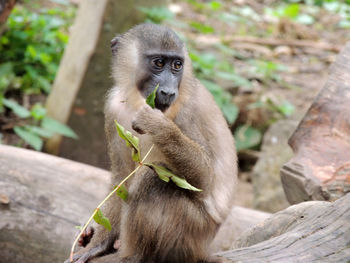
[162,106]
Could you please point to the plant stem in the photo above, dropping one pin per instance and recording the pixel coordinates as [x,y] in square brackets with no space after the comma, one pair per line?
[104,200]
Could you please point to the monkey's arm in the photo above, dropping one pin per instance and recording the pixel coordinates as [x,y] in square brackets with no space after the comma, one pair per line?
[186,157]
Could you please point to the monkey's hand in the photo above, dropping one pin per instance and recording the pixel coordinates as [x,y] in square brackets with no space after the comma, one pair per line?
[86,236]
[148,120]
[185,156]
[85,254]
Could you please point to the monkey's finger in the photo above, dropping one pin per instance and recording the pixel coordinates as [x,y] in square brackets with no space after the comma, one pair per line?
[137,128]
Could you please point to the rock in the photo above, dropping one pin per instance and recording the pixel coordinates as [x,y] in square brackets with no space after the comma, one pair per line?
[268,192]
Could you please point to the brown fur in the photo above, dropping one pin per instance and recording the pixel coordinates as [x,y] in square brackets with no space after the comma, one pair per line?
[161,222]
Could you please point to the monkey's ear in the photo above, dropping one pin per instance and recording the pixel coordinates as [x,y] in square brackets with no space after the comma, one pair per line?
[114,44]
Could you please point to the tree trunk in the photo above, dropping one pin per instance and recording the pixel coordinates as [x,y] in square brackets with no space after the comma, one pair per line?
[5,9]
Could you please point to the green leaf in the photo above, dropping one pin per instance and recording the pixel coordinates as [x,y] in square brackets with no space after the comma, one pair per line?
[165,174]
[38,112]
[180,182]
[31,51]
[230,112]
[58,127]
[152,97]
[19,110]
[130,141]
[102,220]
[201,27]
[286,108]
[44,84]
[247,137]
[156,14]
[32,139]
[238,80]
[6,69]
[122,192]
[215,5]
[291,10]
[39,131]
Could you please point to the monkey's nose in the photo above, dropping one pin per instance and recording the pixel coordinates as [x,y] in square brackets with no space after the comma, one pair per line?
[167,94]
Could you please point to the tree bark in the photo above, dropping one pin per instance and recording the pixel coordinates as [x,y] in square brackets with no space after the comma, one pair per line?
[5,9]
[315,231]
[320,168]
[42,199]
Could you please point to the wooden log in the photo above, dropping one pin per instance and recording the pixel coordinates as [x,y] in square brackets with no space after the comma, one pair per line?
[320,168]
[42,199]
[238,222]
[315,231]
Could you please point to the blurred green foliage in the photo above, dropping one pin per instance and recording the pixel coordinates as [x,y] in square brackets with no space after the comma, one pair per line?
[302,10]
[35,125]
[215,66]
[156,14]
[32,45]
[30,51]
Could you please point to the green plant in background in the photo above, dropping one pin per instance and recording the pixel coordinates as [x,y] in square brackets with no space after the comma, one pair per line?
[302,11]
[247,137]
[223,99]
[292,11]
[208,68]
[35,126]
[30,51]
[282,109]
[267,70]
[31,48]
[156,14]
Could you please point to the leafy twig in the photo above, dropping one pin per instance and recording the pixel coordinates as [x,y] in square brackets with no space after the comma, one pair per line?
[97,209]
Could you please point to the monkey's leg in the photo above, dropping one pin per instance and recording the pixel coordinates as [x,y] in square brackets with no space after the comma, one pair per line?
[163,223]
[102,242]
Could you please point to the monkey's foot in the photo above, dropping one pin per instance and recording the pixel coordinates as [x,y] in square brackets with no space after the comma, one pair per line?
[86,236]
[116,244]
[83,255]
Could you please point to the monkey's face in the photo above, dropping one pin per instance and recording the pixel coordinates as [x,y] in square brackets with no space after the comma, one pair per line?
[164,69]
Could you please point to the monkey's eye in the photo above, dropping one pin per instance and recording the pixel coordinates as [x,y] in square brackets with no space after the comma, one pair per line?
[177,65]
[158,63]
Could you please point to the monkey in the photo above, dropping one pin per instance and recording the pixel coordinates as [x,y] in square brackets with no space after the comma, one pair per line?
[161,222]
